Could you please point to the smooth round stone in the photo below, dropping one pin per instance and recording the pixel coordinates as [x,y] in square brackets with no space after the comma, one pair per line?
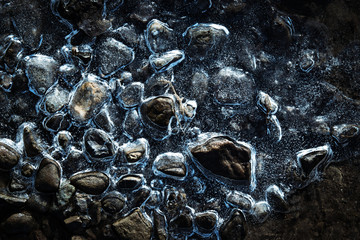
[113,202]
[158,111]
[159,37]
[31,145]
[27,170]
[132,94]
[129,182]
[171,165]
[136,151]
[55,99]
[261,211]
[240,200]
[48,176]
[164,61]
[91,182]
[206,221]
[9,157]
[19,223]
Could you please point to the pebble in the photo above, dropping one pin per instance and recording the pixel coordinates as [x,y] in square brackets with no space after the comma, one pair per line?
[56,122]
[140,196]
[235,227]
[55,99]
[183,223]
[132,124]
[310,159]
[159,37]
[162,62]
[241,200]
[261,211]
[171,165]
[113,202]
[129,182]
[98,144]
[64,194]
[27,170]
[31,145]
[9,157]
[134,226]
[88,98]
[136,151]
[158,110]
[345,133]
[94,183]
[206,221]
[48,176]
[19,223]
[131,95]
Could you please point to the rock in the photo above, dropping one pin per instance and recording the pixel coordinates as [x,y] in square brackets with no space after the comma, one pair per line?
[65,193]
[135,152]
[345,133]
[103,120]
[129,182]
[134,226]
[140,196]
[276,198]
[88,98]
[175,199]
[55,99]
[31,145]
[182,223]
[267,104]
[12,201]
[9,157]
[84,53]
[159,37]
[113,202]
[132,124]
[56,122]
[27,170]
[90,182]
[241,200]
[73,223]
[235,227]
[98,144]
[16,185]
[158,111]
[39,202]
[206,221]
[63,139]
[312,158]
[41,71]
[113,55]
[162,62]
[261,211]
[233,87]
[199,85]
[48,176]
[160,232]
[19,223]
[224,157]
[131,95]
[171,165]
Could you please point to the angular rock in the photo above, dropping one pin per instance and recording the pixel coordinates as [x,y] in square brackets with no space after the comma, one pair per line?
[64,194]
[171,165]
[135,226]
[165,61]
[56,122]
[9,157]
[131,95]
[345,133]
[129,182]
[224,157]
[91,182]
[235,227]
[87,98]
[48,176]
[63,139]
[276,198]
[103,120]
[158,111]
[98,144]
[41,72]
[113,55]
[140,196]
[113,202]
[206,221]
[310,159]
[31,145]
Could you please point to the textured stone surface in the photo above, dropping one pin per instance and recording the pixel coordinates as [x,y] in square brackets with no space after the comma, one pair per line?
[90,182]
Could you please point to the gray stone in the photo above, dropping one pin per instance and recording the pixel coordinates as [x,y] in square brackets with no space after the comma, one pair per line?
[98,144]
[171,165]
[32,146]
[90,182]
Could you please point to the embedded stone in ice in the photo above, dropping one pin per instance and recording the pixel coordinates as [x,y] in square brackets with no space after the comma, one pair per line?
[103,121]
[182,223]
[90,182]
[158,110]
[63,139]
[41,71]
[224,157]
[233,87]
[206,221]
[48,176]
[98,144]
[113,202]
[113,55]
[345,133]
[261,211]
[202,37]
[55,98]
[130,182]
[158,84]
[131,95]
[136,152]
[32,146]
[88,97]
[241,200]
[235,227]
[11,51]
[56,122]
[276,198]
[266,103]
[313,158]
[199,85]
[170,165]
[83,52]
[162,62]
[132,124]
[9,156]
[159,37]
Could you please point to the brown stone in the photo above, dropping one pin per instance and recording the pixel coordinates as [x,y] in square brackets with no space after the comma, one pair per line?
[31,145]
[9,157]
[48,177]
[159,111]
[90,182]
[235,227]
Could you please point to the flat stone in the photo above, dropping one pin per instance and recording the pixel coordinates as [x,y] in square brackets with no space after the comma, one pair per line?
[90,182]
[31,145]
[19,223]
[129,182]
[48,176]
[113,202]
[88,97]
[9,157]
[171,165]
[98,144]
[206,221]
[136,151]
[133,227]
[235,227]
[158,110]
[224,157]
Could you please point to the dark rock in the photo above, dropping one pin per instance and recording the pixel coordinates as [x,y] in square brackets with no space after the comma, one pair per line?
[276,198]
[12,201]
[113,202]
[90,182]
[182,223]
[65,193]
[261,211]
[206,221]
[162,62]
[16,185]
[102,120]
[9,157]
[55,99]
[175,200]
[309,159]
[73,223]
[64,139]
[133,227]
[160,232]
[39,202]
[129,182]
[31,145]
[98,144]
[241,200]
[27,170]
[235,227]
[48,176]
[131,95]
[345,133]
[158,110]
[19,223]
[170,164]
[56,122]
[135,151]
[225,157]
[140,196]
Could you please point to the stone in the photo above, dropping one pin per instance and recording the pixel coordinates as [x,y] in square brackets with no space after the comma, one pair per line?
[162,62]
[73,223]
[131,95]
[19,223]
[160,232]
[31,145]
[16,185]
[132,124]
[235,227]
[225,157]
[199,85]
[310,159]
[98,144]
[140,196]
[63,139]
[206,221]
[261,211]
[276,198]
[241,200]
[56,122]
[113,55]
[12,201]
[48,176]
[88,97]
[134,226]
[55,99]
[129,182]
[113,202]
[65,193]
[27,170]
[159,37]
[345,133]
[171,165]
[39,202]
[137,151]
[182,223]
[41,71]
[267,104]
[91,182]
[158,111]
[9,157]
[103,120]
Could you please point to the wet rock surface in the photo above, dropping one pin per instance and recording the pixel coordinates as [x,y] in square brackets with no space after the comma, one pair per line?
[179,119]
